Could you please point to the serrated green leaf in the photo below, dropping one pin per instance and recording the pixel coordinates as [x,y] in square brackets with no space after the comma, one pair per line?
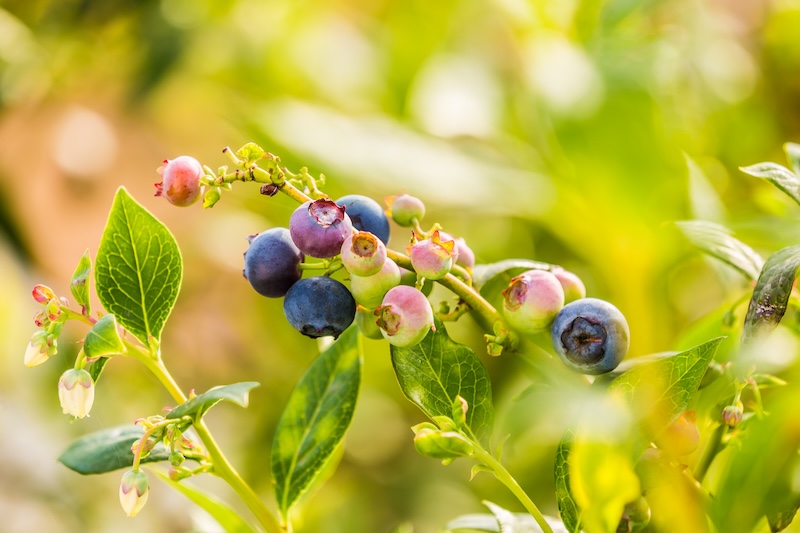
[437,370]
[196,407]
[660,391]
[250,153]
[772,291]
[492,278]
[227,518]
[108,450]
[761,477]
[719,242]
[316,418]
[780,176]
[103,339]
[79,286]
[792,151]
[567,507]
[139,268]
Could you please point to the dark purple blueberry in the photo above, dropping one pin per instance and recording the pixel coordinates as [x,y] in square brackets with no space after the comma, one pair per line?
[319,307]
[319,228]
[366,215]
[272,262]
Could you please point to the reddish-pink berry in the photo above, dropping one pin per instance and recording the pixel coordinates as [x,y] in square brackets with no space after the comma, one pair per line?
[405,316]
[180,180]
[433,258]
[363,254]
[319,228]
[574,289]
[532,300]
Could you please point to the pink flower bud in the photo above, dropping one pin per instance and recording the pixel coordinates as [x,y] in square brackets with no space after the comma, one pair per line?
[43,294]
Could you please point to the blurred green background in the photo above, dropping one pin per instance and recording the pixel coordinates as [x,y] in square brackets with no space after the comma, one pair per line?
[572,132]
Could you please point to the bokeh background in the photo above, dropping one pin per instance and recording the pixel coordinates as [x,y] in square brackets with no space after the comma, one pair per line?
[572,132]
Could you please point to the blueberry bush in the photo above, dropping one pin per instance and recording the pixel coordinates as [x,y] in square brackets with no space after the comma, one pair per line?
[707,433]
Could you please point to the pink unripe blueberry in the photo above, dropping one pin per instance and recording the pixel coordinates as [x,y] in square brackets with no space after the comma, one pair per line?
[406,209]
[405,316]
[363,254]
[574,289]
[369,290]
[319,228]
[532,300]
[433,258]
[180,180]
[465,257]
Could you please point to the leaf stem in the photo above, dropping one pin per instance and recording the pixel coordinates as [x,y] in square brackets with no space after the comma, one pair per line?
[222,467]
[508,480]
[709,453]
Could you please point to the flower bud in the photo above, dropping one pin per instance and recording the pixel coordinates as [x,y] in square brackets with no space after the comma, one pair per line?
[732,414]
[53,310]
[176,458]
[37,351]
[76,392]
[43,294]
[133,492]
[447,445]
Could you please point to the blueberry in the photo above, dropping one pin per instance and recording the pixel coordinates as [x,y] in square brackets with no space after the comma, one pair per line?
[405,316]
[180,180]
[369,290]
[319,228]
[363,254]
[406,210]
[366,215]
[532,300]
[319,307]
[272,262]
[433,258]
[574,289]
[591,336]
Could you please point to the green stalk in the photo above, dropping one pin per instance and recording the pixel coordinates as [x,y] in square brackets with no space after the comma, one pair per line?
[222,467]
[508,480]
[710,452]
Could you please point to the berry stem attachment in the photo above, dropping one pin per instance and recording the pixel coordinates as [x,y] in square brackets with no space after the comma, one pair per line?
[508,480]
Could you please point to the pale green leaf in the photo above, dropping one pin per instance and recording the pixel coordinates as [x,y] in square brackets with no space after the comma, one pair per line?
[108,450]
[719,242]
[792,151]
[79,285]
[437,370]
[780,176]
[227,518]
[316,418]
[103,339]
[250,153]
[139,268]
[772,291]
[237,393]
[517,522]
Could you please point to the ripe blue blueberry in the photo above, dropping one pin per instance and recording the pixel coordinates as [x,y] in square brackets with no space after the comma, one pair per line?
[272,262]
[319,228]
[319,307]
[591,336]
[366,215]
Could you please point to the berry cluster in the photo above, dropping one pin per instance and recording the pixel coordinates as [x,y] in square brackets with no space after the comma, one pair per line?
[386,300]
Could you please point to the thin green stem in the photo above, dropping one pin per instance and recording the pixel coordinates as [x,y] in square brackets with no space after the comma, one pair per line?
[222,467]
[709,453]
[508,480]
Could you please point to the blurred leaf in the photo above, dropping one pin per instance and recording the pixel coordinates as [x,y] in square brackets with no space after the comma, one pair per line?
[771,295]
[780,520]
[139,268]
[227,518]
[437,370]
[661,390]
[103,339]
[108,450]
[567,507]
[79,286]
[778,175]
[760,478]
[494,277]
[316,418]
[196,407]
[502,521]
[718,241]
[250,153]
[792,151]
[703,197]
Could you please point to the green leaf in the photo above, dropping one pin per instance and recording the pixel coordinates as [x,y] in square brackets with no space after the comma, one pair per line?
[139,268]
[508,522]
[567,507]
[250,153]
[502,521]
[494,277]
[316,418]
[780,176]
[792,151]
[79,286]
[718,241]
[226,517]
[771,295]
[108,450]
[96,368]
[103,339]
[437,370]
[196,407]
